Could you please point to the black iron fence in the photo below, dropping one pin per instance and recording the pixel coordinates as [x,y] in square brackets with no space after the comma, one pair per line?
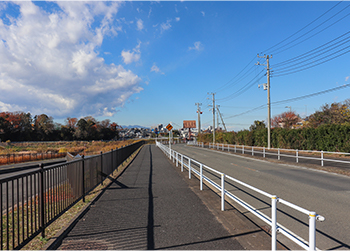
[32,200]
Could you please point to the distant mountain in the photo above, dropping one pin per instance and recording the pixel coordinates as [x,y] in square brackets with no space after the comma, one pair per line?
[134,126]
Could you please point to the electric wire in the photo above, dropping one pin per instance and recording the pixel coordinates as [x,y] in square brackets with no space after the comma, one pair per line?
[277,52]
[302,28]
[291,100]
[243,89]
[311,66]
[313,51]
[287,68]
[223,87]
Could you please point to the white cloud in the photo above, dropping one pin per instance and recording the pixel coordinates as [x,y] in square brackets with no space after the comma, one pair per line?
[347,78]
[203,13]
[50,64]
[139,24]
[134,56]
[177,19]
[156,69]
[165,26]
[198,46]
[130,57]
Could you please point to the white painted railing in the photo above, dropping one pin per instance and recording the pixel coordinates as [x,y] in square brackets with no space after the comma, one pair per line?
[196,167]
[279,152]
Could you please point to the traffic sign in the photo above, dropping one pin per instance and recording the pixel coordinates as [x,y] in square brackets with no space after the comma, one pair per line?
[169,127]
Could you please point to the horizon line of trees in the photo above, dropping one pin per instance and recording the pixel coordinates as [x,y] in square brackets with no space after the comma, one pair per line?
[21,126]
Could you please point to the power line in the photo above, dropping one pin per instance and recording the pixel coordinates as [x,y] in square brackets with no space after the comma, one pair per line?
[311,66]
[312,52]
[243,89]
[302,28]
[291,100]
[223,87]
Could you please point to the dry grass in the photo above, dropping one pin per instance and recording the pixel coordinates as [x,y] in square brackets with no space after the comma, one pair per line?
[31,151]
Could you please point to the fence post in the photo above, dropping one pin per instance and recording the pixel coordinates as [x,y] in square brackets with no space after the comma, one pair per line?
[252,150]
[322,158]
[235,148]
[101,166]
[182,163]
[297,155]
[279,157]
[228,147]
[42,200]
[312,231]
[222,192]
[264,152]
[201,177]
[189,168]
[173,154]
[112,159]
[243,150]
[177,159]
[273,222]
[223,147]
[83,176]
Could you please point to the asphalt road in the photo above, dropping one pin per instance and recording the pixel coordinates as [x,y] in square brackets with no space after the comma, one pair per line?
[326,193]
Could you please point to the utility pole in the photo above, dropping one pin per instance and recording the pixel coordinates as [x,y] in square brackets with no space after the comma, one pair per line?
[213,115]
[222,120]
[268,100]
[217,116]
[199,116]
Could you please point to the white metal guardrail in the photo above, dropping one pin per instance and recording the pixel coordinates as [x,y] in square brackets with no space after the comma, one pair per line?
[279,152]
[197,168]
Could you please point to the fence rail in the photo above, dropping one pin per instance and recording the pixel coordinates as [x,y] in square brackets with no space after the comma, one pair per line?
[198,168]
[31,201]
[278,152]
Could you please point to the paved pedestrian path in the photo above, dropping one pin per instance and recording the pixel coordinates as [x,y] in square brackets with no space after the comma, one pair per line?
[150,206]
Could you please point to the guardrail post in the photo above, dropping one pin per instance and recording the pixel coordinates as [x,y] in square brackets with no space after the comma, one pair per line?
[217,146]
[182,163]
[264,151]
[235,149]
[273,222]
[279,157]
[222,192]
[42,200]
[189,168]
[201,177]
[322,158]
[252,150]
[243,150]
[297,156]
[312,231]
[173,153]
[177,159]
[223,147]
[83,176]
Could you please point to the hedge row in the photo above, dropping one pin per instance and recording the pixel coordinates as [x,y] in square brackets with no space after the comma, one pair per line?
[333,138]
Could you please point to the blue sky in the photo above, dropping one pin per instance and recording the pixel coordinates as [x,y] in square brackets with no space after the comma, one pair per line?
[147,63]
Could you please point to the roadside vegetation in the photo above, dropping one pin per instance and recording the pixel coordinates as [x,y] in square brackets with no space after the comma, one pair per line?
[327,129]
